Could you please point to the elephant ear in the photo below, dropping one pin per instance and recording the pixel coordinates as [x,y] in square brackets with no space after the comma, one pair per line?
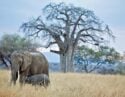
[27,60]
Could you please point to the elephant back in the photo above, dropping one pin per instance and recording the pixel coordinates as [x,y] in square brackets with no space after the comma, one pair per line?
[39,64]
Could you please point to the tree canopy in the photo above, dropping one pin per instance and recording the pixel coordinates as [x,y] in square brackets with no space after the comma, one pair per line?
[12,42]
[89,60]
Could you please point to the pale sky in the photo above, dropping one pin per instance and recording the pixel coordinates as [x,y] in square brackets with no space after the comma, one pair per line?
[14,12]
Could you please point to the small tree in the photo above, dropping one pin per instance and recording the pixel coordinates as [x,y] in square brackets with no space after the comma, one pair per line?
[12,42]
[89,60]
[66,26]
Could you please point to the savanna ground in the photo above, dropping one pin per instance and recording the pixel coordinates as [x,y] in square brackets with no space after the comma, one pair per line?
[67,85]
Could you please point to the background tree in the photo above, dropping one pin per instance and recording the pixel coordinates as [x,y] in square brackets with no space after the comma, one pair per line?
[89,60]
[66,26]
[12,42]
[121,68]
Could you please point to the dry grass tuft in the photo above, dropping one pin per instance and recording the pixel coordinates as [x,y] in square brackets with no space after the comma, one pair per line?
[67,85]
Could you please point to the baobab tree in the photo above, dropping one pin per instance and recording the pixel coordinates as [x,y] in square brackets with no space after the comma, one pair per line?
[67,26]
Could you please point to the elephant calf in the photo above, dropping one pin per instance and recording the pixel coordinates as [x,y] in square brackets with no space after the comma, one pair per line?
[38,79]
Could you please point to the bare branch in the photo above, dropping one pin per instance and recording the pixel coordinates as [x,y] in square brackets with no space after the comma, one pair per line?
[83,40]
[86,35]
[99,64]
[62,19]
[90,28]
[75,25]
[57,52]
[49,44]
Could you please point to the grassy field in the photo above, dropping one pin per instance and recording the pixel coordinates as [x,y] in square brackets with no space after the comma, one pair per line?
[67,85]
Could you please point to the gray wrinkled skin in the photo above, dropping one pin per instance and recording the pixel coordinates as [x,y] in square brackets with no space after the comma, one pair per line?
[38,79]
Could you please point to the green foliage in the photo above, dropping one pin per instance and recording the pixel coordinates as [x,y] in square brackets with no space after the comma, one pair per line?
[89,59]
[12,42]
[110,53]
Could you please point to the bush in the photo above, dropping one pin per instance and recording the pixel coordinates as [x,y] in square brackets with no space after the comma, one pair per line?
[121,68]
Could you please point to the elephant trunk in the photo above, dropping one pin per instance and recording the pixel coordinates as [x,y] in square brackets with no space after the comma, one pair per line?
[14,76]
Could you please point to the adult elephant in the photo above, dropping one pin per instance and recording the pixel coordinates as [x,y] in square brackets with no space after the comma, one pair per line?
[27,64]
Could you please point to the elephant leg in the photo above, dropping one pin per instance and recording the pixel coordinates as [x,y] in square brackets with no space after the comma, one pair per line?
[14,77]
[22,80]
[23,75]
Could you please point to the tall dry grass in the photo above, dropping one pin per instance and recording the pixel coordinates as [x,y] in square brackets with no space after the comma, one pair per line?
[67,85]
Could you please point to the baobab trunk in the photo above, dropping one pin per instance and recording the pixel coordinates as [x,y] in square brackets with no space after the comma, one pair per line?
[69,59]
[63,62]
[66,61]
